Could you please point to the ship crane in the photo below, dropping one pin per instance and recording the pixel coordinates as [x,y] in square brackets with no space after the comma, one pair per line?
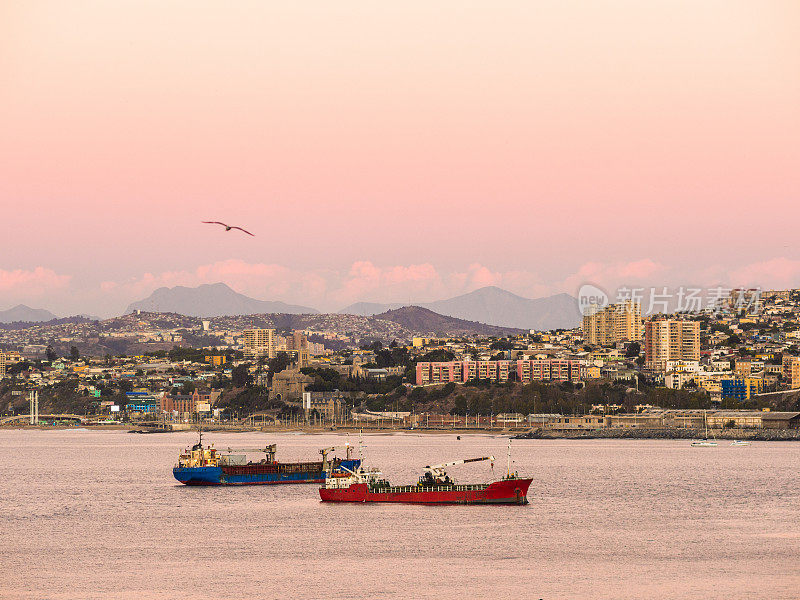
[269,451]
[324,452]
[437,472]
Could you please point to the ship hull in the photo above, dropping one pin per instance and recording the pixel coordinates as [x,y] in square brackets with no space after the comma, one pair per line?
[509,491]
[256,474]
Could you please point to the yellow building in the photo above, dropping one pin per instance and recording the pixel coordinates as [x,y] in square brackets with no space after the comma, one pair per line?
[260,343]
[743,367]
[741,388]
[592,372]
[670,339]
[614,323]
[755,385]
[8,358]
[791,371]
[421,342]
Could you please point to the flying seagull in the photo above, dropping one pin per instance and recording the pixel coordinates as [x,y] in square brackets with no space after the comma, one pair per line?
[228,227]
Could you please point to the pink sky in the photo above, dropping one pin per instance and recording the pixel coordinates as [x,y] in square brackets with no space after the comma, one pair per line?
[395,151]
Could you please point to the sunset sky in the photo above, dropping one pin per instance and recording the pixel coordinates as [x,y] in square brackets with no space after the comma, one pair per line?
[395,151]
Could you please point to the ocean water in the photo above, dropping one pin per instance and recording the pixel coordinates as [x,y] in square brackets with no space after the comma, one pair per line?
[87,514]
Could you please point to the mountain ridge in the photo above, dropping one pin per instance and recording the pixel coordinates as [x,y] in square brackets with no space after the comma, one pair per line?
[25,314]
[423,320]
[494,306]
[211,300]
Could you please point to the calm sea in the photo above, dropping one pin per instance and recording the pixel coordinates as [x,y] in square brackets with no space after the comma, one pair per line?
[98,515]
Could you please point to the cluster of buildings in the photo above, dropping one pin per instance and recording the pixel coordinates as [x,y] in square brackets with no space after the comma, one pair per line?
[8,358]
[143,332]
[745,346]
[501,371]
[612,324]
[266,343]
[735,355]
[668,340]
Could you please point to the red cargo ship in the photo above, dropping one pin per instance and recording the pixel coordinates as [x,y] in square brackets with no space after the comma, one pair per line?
[434,487]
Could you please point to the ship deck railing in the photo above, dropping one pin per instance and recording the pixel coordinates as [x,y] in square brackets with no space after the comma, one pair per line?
[477,487]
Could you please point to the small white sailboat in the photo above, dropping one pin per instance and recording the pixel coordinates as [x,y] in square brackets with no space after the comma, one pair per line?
[740,443]
[705,442]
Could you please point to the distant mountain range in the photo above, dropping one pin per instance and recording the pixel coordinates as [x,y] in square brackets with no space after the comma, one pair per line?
[211,300]
[494,306]
[369,309]
[423,320]
[488,305]
[22,313]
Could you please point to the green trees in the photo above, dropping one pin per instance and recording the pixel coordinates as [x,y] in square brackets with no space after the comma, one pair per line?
[191,354]
[278,364]
[733,340]
[63,397]
[502,345]
[250,400]
[74,355]
[633,350]
[438,355]
[395,357]
[19,367]
[240,375]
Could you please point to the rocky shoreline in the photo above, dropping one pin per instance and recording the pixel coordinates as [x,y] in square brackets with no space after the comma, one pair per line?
[672,433]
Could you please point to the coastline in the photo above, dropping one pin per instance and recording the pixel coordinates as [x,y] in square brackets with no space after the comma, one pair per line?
[761,435]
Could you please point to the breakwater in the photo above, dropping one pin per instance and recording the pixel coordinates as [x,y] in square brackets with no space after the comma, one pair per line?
[663,433]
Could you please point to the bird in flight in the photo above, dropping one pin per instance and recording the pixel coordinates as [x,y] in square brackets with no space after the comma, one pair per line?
[228,227]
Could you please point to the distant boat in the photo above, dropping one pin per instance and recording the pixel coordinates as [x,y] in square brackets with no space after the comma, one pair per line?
[705,442]
[740,443]
[434,487]
[200,465]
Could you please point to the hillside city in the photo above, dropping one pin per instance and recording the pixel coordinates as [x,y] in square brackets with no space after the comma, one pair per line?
[731,366]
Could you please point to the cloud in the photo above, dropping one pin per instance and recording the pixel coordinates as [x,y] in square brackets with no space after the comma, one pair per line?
[366,281]
[615,275]
[22,284]
[327,290]
[261,280]
[476,276]
[331,290]
[775,273]
[423,282]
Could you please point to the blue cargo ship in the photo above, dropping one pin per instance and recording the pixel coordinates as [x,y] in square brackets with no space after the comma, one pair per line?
[209,466]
